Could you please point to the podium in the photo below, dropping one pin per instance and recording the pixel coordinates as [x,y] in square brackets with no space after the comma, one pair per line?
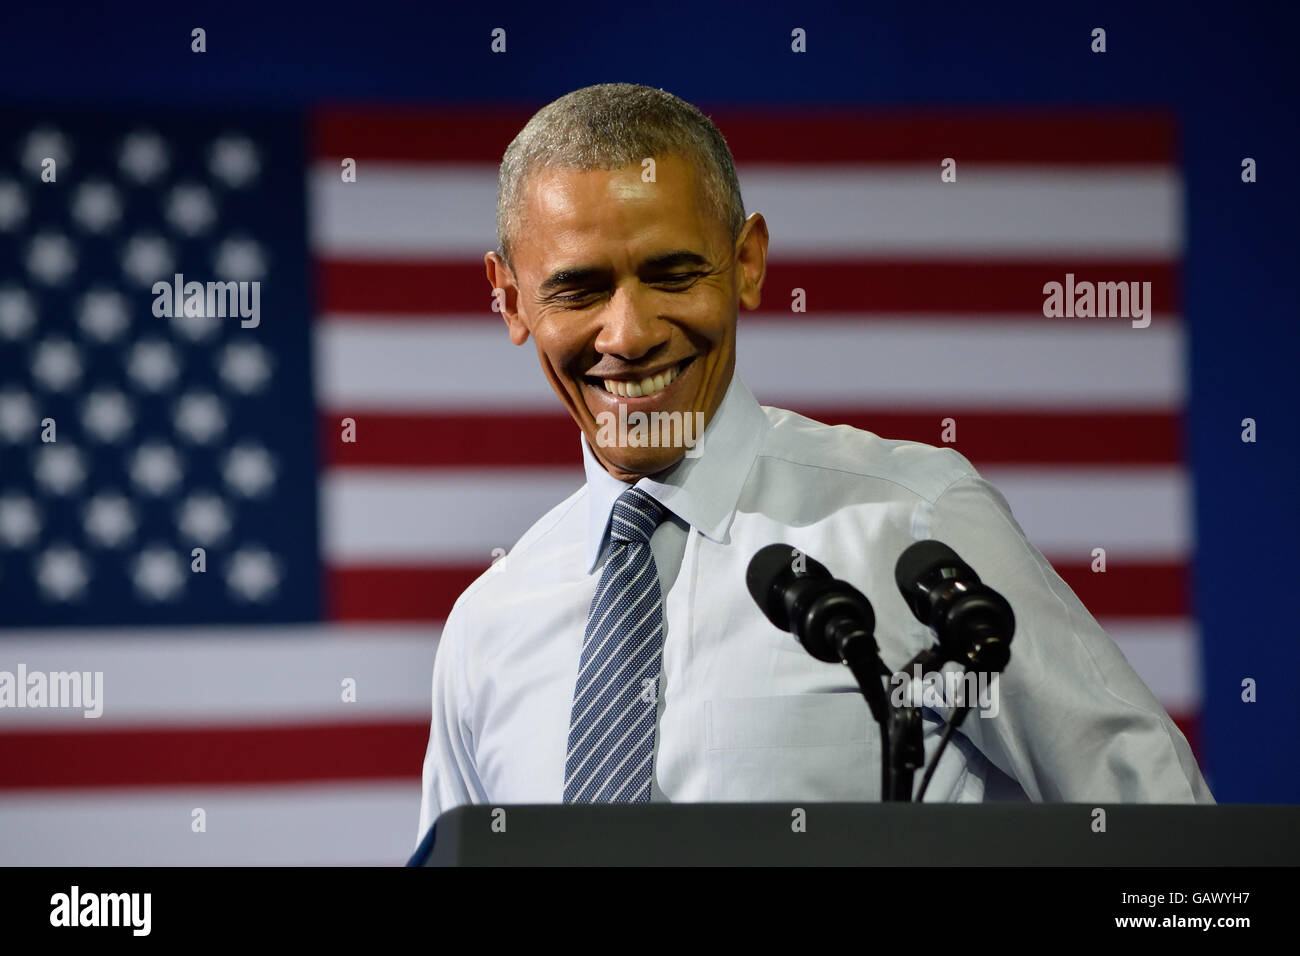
[857,834]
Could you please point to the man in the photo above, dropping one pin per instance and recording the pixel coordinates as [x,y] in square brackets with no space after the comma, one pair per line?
[615,654]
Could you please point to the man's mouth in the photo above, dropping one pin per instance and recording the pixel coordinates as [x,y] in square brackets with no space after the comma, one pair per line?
[642,387]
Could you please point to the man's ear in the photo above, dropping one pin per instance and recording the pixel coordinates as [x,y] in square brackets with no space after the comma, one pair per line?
[751,256]
[506,293]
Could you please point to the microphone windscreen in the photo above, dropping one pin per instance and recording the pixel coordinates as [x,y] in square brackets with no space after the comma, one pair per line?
[773,567]
[765,567]
[920,559]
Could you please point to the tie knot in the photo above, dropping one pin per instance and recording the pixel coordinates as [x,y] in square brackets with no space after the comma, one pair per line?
[636,515]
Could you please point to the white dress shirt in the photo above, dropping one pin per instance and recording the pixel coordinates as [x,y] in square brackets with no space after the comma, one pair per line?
[745,713]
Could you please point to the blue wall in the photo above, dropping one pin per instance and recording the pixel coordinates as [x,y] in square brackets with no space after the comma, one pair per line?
[1227,70]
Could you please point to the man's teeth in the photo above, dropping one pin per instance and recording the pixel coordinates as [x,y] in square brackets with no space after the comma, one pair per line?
[647,386]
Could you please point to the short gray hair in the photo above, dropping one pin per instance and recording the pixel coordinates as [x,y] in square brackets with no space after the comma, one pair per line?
[610,126]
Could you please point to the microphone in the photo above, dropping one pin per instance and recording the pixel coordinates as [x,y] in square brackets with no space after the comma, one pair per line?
[829,617]
[973,622]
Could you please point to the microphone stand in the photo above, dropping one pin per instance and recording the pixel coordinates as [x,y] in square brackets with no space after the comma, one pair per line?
[857,649]
[906,740]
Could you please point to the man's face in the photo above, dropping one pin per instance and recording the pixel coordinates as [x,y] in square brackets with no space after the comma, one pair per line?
[630,290]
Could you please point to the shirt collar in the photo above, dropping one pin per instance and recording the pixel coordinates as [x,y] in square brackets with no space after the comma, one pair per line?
[701,490]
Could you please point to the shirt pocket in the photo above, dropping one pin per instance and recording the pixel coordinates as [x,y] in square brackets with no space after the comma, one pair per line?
[801,747]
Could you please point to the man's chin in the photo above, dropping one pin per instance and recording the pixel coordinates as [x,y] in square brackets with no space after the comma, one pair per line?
[631,467]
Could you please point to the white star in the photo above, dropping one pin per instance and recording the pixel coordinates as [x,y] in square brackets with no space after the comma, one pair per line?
[96,206]
[51,258]
[233,160]
[239,259]
[57,364]
[60,469]
[109,520]
[196,328]
[17,313]
[148,259]
[190,209]
[253,574]
[153,364]
[20,522]
[143,157]
[244,366]
[204,517]
[106,415]
[158,574]
[45,144]
[62,573]
[250,470]
[13,205]
[156,468]
[17,416]
[103,315]
[199,416]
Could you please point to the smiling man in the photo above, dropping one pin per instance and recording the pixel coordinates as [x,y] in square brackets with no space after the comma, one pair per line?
[614,655]
[629,291]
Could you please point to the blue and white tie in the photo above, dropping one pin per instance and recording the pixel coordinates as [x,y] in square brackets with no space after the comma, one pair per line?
[612,726]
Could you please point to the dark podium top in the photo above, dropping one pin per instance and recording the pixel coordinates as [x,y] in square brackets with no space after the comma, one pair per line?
[853,834]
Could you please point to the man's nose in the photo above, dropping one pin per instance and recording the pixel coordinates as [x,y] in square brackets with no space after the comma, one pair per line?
[630,327]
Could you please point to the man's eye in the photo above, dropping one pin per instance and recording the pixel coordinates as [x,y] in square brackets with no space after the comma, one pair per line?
[679,278]
[575,296]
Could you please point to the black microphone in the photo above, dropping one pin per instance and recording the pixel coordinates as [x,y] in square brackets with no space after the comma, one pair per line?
[797,594]
[973,622]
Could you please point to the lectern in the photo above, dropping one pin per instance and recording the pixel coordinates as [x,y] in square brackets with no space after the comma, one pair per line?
[855,834]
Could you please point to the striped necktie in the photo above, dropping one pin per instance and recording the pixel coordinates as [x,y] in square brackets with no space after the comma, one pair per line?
[612,725]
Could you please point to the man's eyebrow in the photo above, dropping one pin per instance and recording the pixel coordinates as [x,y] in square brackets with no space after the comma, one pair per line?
[661,263]
[670,260]
[565,277]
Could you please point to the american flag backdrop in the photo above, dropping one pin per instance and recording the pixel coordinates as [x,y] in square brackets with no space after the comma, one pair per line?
[329,563]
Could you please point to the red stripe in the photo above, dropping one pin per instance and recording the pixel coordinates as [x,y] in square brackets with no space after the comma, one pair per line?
[222,756]
[780,135]
[1190,725]
[854,286]
[1129,589]
[985,436]
[426,592]
[389,750]
[396,592]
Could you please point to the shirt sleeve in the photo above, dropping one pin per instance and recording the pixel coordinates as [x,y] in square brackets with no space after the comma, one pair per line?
[1075,722]
[449,776]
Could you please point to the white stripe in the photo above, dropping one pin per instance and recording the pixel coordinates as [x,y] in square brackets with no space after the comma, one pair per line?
[404,210]
[914,362]
[327,825]
[372,515]
[1136,513]
[377,514]
[990,211]
[1166,655]
[401,211]
[203,675]
[248,675]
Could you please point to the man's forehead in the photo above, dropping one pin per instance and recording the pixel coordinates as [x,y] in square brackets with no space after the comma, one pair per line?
[565,207]
[565,191]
